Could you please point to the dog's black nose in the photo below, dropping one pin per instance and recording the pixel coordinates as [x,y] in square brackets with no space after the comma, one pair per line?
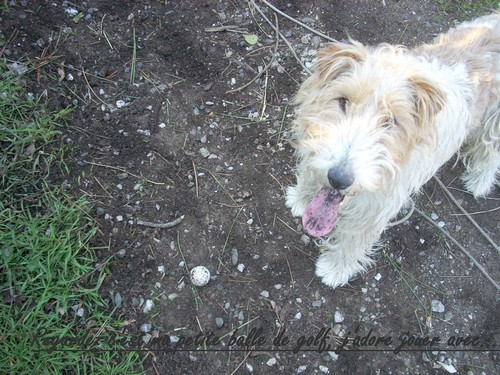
[340,177]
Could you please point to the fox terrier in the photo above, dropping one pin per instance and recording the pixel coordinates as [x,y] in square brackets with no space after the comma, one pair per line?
[373,124]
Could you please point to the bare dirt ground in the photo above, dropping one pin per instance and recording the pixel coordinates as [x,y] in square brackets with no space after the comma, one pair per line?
[169,123]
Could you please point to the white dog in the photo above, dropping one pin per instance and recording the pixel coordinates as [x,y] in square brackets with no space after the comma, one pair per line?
[373,124]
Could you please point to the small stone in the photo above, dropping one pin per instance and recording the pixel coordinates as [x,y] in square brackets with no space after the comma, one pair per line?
[219,322]
[148,306]
[324,369]
[338,317]
[308,20]
[271,362]
[118,300]
[145,132]
[241,267]
[437,306]
[301,369]
[434,216]
[378,276]
[298,316]
[122,176]
[316,40]
[264,294]
[234,256]
[135,302]
[120,104]
[119,218]
[100,211]
[172,296]
[145,327]
[174,339]
[305,239]
[316,303]
[204,152]
[121,253]
[333,356]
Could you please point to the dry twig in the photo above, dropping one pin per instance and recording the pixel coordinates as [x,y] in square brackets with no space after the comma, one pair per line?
[170,224]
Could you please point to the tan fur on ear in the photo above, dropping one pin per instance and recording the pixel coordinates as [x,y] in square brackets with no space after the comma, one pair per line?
[336,58]
[430,98]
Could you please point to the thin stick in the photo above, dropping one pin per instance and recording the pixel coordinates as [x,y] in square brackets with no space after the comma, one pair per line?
[161,225]
[91,89]
[281,35]
[476,225]
[289,270]
[124,170]
[195,179]
[298,22]
[241,363]
[462,249]
[266,67]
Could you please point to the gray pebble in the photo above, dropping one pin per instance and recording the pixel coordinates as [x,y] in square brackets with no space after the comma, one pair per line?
[121,253]
[305,239]
[145,327]
[100,211]
[448,315]
[338,317]
[219,322]
[204,152]
[118,300]
[316,40]
[234,256]
[316,303]
[437,306]
[308,20]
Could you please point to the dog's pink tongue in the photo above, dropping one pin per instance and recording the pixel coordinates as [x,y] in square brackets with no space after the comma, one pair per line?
[321,213]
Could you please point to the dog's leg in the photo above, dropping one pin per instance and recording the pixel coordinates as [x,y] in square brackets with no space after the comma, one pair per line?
[359,228]
[482,158]
[299,195]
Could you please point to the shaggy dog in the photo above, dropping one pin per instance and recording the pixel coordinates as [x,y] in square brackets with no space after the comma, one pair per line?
[373,124]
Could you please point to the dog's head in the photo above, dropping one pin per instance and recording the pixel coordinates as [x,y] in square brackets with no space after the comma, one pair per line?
[359,116]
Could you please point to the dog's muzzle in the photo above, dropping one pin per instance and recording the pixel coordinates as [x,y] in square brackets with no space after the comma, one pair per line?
[340,177]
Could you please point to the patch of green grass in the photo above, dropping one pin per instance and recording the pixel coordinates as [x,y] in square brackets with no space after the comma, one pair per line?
[466,8]
[53,318]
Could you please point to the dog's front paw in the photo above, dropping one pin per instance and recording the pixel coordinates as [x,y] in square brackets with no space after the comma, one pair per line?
[294,202]
[479,183]
[335,271]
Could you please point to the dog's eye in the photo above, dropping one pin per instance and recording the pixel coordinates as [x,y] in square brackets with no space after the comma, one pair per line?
[389,122]
[343,103]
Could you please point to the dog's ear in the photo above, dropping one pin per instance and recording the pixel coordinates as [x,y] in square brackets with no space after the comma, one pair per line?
[336,58]
[429,98]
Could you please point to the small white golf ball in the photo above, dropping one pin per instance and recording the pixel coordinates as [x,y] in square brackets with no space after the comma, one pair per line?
[200,275]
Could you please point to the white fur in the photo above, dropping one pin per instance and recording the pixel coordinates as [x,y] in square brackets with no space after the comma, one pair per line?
[442,95]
